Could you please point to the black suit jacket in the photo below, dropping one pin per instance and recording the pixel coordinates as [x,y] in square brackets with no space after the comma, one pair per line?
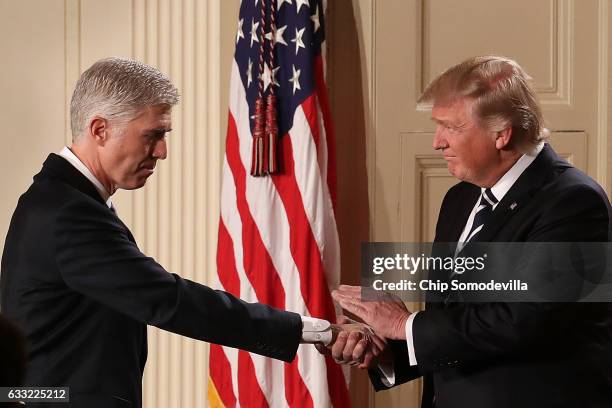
[77,284]
[508,355]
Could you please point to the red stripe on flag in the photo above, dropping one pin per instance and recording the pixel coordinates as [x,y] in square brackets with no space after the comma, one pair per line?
[248,387]
[228,276]
[307,257]
[219,374]
[321,92]
[226,263]
[338,390]
[257,262]
[309,107]
[296,393]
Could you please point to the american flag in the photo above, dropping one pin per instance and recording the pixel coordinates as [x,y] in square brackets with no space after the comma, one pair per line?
[278,242]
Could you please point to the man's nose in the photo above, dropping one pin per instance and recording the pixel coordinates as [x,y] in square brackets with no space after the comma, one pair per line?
[439,140]
[160,151]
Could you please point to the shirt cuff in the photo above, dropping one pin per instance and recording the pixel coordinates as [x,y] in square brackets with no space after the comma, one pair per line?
[387,372]
[410,339]
[316,330]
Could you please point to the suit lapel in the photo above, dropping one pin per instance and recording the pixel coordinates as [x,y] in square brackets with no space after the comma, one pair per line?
[463,213]
[453,218]
[456,217]
[523,190]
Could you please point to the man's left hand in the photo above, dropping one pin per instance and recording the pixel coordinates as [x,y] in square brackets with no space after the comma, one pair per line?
[387,316]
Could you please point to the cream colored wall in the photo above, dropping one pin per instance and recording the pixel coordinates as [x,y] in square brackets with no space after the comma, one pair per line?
[45,46]
[32,84]
[384,52]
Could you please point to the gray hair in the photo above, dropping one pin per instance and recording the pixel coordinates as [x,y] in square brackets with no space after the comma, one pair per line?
[117,89]
[501,96]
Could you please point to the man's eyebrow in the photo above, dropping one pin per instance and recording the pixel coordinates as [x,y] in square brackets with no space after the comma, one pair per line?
[447,122]
[441,121]
[158,130]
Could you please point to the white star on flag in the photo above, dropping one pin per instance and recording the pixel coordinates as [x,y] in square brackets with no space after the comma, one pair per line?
[269,76]
[300,3]
[279,35]
[298,40]
[239,34]
[254,26]
[281,2]
[295,79]
[315,19]
[250,73]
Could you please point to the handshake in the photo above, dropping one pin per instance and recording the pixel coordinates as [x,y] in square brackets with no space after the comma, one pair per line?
[365,344]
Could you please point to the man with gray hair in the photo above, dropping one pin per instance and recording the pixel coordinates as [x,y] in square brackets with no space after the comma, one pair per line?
[513,188]
[72,275]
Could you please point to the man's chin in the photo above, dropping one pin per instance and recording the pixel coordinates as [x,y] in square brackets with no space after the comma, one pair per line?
[134,185]
[457,173]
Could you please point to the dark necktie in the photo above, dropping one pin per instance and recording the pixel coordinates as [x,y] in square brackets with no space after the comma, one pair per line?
[483,213]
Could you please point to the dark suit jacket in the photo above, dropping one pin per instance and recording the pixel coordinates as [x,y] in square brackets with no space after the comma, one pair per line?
[12,354]
[508,355]
[75,281]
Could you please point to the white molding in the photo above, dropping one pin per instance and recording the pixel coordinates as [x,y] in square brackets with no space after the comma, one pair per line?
[603,112]
[72,57]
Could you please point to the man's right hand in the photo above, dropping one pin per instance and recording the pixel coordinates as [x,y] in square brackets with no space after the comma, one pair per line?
[354,343]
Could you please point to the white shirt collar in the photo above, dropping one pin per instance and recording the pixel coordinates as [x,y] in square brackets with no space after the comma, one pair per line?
[504,184]
[67,154]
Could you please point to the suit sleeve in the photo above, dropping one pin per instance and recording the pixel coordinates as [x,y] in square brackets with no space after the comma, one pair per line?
[483,332]
[403,371]
[96,258]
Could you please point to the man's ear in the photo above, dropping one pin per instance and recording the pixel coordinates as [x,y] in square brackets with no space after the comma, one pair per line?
[503,137]
[99,130]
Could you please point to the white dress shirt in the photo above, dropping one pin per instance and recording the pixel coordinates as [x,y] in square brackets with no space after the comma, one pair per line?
[67,154]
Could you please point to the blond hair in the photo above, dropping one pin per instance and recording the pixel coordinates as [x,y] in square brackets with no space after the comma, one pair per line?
[500,93]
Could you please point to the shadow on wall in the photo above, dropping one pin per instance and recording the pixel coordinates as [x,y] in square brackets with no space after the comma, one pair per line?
[346,91]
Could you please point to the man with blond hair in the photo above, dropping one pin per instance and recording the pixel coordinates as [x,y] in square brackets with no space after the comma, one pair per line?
[513,188]
[73,277]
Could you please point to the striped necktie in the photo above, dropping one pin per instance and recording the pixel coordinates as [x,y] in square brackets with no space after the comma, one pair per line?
[483,212]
